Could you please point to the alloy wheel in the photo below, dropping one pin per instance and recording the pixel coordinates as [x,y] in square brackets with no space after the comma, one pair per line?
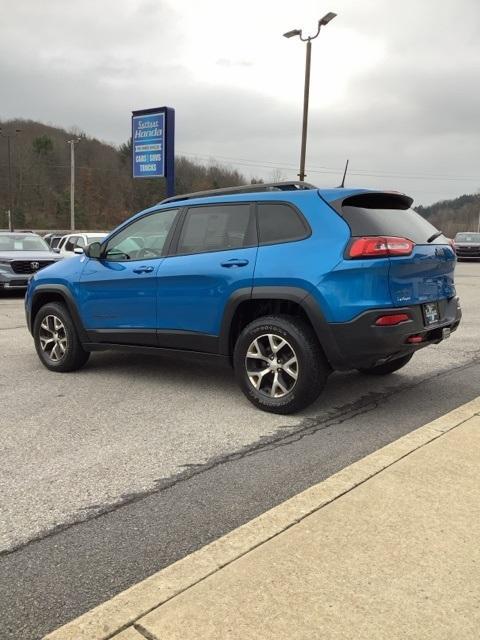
[272,365]
[53,338]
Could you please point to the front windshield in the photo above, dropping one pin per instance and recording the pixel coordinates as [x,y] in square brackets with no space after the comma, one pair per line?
[21,242]
[467,237]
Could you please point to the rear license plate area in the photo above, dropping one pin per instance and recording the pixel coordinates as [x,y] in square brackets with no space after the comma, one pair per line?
[431,313]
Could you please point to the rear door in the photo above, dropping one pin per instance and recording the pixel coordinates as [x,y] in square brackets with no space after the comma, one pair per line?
[427,274]
[214,257]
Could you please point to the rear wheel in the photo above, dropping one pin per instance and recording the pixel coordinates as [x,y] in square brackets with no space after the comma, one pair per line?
[388,367]
[56,340]
[279,364]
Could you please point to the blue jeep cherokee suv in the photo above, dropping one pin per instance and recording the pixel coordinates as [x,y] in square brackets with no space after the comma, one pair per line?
[287,281]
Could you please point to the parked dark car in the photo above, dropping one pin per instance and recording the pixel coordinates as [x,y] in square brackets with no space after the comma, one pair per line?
[467,244]
[21,255]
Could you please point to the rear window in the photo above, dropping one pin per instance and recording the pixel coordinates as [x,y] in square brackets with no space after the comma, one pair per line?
[216,228]
[279,222]
[386,215]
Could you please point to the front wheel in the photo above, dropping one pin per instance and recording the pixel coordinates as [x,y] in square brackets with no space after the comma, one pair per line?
[56,340]
[388,367]
[279,364]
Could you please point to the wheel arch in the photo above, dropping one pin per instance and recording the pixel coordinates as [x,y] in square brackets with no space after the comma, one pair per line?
[44,294]
[245,305]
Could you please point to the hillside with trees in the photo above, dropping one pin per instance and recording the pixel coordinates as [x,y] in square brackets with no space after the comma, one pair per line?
[451,216]
[105,192]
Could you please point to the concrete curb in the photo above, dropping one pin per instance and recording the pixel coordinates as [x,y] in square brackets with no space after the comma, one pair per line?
[112,618]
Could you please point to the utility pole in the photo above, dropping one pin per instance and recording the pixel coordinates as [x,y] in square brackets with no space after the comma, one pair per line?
[72,144]
[10,190]
[9,137]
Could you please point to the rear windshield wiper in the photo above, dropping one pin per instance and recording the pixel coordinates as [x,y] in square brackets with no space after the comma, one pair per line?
[435,236]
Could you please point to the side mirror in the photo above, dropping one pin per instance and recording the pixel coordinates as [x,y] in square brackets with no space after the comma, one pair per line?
[78,250]
[93,250]
[56,250]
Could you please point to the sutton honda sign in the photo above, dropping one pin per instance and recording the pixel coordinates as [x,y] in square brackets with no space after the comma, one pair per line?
[153,139]
[148,136]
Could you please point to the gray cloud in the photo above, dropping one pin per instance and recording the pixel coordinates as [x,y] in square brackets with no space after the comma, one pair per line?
[415,114]
[225,62]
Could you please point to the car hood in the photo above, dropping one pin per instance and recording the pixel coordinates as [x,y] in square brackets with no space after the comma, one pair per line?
[467,244]
[29,255]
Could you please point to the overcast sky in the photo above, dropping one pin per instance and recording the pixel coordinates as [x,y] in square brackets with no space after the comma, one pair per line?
[395,83]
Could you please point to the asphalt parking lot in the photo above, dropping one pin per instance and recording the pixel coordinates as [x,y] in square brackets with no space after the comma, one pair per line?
[90,451]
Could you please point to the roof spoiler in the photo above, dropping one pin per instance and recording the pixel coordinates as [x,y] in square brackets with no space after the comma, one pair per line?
[378,200]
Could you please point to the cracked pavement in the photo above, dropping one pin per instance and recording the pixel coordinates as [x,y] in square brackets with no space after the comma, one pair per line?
[113,472]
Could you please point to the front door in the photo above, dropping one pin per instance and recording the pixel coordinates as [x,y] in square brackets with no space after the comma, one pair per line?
[118,293]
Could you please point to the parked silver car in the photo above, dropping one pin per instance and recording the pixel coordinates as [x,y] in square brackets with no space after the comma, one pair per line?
[21,254]
[467,244]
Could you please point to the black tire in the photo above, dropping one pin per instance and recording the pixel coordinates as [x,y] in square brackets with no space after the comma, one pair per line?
[310,366]
[388,367]
[70,354]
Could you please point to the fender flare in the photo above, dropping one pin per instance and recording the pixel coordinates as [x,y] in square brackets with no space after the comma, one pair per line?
[64,292]
[292,294]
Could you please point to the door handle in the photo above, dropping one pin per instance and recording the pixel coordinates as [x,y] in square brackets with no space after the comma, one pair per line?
[234,262]
[143,270]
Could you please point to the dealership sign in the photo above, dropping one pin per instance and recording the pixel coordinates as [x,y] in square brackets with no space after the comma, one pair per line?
[153,139]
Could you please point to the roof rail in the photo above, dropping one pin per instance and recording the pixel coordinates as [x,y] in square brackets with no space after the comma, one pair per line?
[294,185]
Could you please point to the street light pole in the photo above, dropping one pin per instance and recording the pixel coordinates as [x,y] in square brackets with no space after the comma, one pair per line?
[72,144]
[306,94]
[306,91]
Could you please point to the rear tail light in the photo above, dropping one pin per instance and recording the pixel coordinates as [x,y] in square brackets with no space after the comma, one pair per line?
[380,247]
[392,319]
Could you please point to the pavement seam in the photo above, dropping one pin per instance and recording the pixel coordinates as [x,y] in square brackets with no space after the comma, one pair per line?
[146,634]
[430,432]
[309,426]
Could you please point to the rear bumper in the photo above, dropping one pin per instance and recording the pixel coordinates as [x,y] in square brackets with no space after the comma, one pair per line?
[360,343]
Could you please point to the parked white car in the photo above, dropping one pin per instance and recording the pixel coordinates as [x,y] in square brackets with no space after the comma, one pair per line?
[67,245]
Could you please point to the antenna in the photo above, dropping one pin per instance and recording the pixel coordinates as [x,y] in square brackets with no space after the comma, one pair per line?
[344,175]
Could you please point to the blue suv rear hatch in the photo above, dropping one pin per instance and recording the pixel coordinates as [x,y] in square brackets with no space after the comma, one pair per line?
[421,259]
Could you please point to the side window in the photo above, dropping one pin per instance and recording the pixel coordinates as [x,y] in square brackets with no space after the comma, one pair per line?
[70,243]
[143,239]
[279,222]
[80,242]
[217,228]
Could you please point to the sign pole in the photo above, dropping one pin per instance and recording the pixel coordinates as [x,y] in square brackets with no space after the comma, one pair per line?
[170,151]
